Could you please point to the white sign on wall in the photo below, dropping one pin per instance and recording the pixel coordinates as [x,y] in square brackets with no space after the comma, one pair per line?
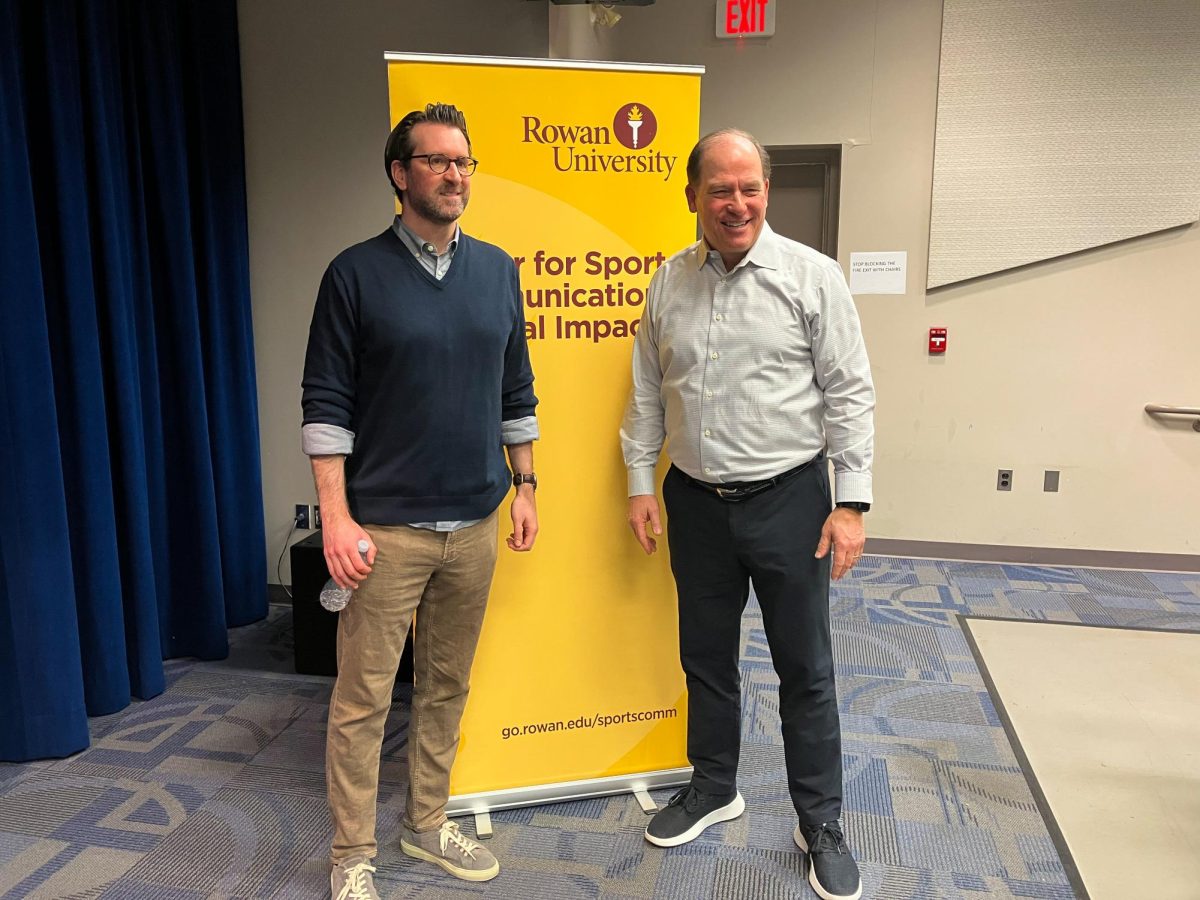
[878,273]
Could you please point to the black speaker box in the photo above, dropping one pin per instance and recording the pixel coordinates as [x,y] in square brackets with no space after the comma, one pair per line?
[315,628]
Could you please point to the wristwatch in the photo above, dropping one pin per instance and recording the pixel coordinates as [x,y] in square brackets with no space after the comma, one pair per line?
[856,505]
[520,478]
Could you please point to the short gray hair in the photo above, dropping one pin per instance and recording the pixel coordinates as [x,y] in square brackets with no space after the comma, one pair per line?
[696,157]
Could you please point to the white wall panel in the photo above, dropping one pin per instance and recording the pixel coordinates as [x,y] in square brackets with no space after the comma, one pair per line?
[1061,126]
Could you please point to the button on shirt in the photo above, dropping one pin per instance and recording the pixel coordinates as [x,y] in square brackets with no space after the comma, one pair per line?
[747,373]
[426,253]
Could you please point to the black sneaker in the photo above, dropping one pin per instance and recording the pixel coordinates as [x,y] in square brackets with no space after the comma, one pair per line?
[688,813]
[832,871]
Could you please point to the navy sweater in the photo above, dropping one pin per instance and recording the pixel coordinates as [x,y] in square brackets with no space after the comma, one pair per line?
[422,372]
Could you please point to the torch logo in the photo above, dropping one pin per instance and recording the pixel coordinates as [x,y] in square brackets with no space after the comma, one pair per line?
[635,125]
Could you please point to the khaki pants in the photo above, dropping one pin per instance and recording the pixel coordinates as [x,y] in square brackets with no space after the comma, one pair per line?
[444,577]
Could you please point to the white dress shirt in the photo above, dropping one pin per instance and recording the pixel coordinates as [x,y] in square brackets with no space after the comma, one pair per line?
[748,373]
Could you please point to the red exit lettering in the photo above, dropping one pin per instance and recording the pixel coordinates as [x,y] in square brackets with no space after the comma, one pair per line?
[745,16]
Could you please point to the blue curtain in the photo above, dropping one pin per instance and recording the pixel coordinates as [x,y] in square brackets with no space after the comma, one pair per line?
[132,525]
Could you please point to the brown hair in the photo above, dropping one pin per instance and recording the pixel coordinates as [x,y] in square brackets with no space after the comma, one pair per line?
[399,145]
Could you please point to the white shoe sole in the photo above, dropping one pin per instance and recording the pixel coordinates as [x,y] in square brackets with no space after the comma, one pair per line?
[730,810]
[456,871]
[812,874]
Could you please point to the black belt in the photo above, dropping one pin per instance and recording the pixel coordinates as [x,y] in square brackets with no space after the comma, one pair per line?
[736,491]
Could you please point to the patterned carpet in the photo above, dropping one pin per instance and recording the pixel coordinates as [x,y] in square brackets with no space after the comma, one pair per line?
[215,789]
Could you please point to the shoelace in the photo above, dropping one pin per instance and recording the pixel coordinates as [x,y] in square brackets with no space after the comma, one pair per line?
[356,887]
[828,837]
[451,834]
[687,797]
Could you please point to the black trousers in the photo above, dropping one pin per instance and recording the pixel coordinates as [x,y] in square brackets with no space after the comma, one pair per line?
[718,549]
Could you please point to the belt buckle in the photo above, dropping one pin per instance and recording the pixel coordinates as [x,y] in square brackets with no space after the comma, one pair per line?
[721,492]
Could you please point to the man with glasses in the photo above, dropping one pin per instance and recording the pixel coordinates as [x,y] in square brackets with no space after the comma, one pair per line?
[417,373]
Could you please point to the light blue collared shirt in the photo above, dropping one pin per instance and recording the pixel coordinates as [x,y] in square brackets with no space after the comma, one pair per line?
[436,264]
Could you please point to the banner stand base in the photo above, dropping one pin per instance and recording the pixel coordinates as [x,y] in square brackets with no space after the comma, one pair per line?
[483,826]
[566,791]
[646,802]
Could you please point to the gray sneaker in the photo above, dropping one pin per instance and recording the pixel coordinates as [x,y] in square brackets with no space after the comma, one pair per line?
[452,850]
[351,880]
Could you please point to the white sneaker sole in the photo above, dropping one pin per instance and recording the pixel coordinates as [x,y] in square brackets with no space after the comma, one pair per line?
[456,871]
[730,810]
[812,874]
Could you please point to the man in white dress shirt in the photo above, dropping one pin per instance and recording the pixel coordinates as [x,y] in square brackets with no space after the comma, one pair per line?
[749,364]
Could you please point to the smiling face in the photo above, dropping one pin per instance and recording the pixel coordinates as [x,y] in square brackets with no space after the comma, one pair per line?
[428,197]
[730,197]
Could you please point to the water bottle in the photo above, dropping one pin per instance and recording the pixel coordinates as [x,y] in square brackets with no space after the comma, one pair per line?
[334,597]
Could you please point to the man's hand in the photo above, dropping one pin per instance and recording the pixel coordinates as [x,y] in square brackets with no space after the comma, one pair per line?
[524,519]
[643,511]
[340,536]
[844,531]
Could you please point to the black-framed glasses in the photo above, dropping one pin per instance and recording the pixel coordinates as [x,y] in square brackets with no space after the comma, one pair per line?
[440,162]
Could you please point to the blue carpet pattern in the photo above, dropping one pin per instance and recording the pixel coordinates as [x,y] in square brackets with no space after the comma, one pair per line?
[216,789]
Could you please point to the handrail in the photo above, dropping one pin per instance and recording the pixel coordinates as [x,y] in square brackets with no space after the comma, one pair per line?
[1164,409]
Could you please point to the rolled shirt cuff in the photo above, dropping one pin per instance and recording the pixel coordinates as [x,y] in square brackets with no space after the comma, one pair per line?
[852,486]
[641,481]
[317,439]
[519,431]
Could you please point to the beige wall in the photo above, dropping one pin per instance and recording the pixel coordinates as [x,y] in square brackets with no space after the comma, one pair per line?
[315,93]
[1049,366]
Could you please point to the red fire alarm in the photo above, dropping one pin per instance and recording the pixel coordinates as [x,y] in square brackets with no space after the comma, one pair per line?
[937,340]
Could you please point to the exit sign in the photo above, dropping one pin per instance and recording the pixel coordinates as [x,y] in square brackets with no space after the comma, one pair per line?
[745,18]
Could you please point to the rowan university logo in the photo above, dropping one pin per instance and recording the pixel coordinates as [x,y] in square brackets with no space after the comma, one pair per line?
[635,126]
[597,147]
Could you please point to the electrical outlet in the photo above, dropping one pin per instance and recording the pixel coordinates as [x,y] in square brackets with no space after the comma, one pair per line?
[302,516]
[316,515]
[1004,480]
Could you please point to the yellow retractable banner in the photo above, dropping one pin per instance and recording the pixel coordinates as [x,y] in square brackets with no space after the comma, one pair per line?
[576,688]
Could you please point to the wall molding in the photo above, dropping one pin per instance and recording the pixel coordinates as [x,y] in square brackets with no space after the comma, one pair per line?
[1047,556]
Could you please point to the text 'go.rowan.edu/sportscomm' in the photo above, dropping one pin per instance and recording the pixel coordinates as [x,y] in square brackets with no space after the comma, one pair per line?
[599,720]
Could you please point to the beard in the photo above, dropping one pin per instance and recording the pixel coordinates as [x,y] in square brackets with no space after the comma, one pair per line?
[444,209]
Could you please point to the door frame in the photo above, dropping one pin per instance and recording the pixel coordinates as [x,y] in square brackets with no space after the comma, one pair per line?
[829,158]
